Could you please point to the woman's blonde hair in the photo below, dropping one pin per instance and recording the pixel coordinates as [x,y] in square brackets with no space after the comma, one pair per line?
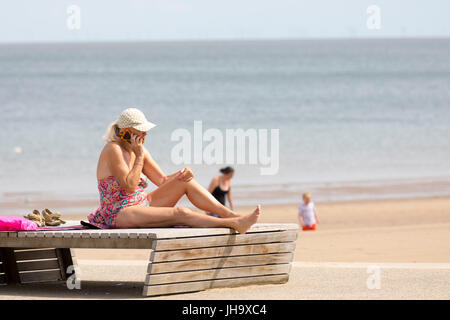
[111,134]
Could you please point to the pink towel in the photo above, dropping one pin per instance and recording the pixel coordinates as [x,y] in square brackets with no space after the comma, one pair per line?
[12,223]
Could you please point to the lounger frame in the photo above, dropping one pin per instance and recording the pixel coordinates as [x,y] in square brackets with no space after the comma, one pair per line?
[181,259]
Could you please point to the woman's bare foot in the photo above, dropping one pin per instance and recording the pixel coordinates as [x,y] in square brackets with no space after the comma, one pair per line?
[237,215]
[244,222]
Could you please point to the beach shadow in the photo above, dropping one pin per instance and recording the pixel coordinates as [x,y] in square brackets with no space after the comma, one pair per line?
[229,247]
[88,290]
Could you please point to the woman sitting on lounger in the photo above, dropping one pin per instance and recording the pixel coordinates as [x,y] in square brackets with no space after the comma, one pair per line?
[125,204]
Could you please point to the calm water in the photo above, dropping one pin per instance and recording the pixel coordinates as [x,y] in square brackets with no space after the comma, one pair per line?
[347,110]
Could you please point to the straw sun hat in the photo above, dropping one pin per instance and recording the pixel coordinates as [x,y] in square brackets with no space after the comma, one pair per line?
[134,118]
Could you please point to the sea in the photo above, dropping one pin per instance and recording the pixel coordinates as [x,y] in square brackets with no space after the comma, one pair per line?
[345,119]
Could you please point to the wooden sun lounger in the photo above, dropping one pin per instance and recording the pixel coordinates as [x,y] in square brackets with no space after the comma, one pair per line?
[181,259]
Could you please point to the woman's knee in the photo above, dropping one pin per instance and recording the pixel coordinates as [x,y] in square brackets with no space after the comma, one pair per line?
[181,213]
[182,183]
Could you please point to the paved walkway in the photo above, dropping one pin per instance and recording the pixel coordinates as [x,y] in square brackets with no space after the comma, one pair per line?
[122,280]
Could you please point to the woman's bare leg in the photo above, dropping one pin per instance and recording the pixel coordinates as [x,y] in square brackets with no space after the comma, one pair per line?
[168,194]
[154,217]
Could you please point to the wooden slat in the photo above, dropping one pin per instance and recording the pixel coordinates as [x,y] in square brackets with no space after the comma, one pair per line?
[225,240]
[171,233]
[69,258]
[48,234]
[35,255]
[58,235]
[65,259]
[172,255]
[2,279]
[104,235]
[113,243]
[151,233]
[203,285]
[27,234]
[223,262]
[78,234]
[37,265]
[40,276]
[30,249]
[9,265]
[211,274]
[114,235]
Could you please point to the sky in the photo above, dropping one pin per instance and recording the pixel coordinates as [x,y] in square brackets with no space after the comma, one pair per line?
[143,20]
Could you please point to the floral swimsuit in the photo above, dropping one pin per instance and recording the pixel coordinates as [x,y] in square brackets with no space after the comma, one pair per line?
[113,199]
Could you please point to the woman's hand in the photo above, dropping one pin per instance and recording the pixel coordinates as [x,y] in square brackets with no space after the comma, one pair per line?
[185,174]
[136,144]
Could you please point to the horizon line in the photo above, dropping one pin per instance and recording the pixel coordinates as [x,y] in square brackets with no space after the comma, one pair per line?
[109,41]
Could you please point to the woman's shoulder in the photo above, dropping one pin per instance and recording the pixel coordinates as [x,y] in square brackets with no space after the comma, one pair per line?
[112,147]
[112,144]
[111,150]
[215,181]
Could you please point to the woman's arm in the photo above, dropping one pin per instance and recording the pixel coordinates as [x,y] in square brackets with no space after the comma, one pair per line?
[230,199]
[157,176]
[153,171]
[214,183]
[128,179]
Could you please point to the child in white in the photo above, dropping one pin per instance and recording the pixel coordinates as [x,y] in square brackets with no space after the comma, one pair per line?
[307,213]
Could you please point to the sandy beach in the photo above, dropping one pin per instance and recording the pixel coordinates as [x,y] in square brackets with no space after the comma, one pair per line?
[406,230]
[408,238]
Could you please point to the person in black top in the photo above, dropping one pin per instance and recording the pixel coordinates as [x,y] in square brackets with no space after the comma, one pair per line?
[221,186]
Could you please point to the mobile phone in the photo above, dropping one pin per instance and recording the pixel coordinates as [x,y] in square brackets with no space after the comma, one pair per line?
[126,136]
